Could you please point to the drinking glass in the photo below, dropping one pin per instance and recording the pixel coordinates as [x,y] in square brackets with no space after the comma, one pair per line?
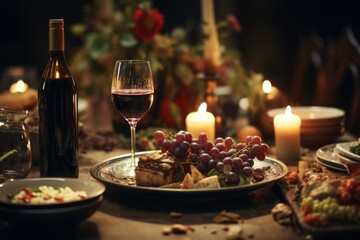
[15,149]
[132,94]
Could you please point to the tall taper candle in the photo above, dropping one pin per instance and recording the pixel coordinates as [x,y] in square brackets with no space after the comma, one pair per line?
[211,46]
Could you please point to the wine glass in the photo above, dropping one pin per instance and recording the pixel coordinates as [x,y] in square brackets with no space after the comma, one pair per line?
[132,94]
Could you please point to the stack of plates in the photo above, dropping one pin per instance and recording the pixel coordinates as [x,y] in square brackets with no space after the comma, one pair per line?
[337,156]
[319,125]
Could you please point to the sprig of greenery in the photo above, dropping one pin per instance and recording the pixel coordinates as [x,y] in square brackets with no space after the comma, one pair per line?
[9,153]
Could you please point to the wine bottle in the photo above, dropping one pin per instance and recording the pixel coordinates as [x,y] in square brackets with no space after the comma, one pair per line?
[57,106]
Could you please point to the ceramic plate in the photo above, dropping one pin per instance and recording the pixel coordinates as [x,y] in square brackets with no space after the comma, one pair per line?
[69,213]
[110,173]
[344,150]
[327,157]
[326,163]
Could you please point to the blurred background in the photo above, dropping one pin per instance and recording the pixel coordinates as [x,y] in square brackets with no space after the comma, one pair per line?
[307,49]
[268,42]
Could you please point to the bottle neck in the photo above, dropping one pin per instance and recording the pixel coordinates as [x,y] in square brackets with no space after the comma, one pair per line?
[56,39]
[57,67]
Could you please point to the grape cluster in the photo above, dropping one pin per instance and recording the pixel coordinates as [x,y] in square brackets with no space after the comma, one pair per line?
[231,161]
[318,212]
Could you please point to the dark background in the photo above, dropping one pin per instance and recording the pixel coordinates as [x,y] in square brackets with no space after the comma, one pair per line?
[271,29]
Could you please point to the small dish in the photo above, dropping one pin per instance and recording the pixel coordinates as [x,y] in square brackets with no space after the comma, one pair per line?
[50,214]
[344,150]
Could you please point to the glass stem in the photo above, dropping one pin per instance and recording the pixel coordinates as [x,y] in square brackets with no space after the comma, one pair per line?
[133,143]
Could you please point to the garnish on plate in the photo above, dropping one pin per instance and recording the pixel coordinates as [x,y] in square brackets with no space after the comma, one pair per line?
[198,162]
[46,194]
[355,148]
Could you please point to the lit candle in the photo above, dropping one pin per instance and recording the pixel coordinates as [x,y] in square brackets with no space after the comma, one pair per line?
[287,135]
[19,87]
[211,45]
[273,97]
[201,121]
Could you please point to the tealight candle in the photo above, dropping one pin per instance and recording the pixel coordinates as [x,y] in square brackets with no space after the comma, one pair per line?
[273,98]
[19,87]
[287,135]
[201,121]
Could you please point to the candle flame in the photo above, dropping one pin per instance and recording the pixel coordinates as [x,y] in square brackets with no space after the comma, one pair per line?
[288,112]
[202,107]
[266,86]
[20,86]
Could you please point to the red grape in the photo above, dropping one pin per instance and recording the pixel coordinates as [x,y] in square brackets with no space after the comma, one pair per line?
[204,158]
[203,137]
[188,137]
[232,178]
[180,137]
[194,147]
[247,171]
[227,161]
[236,161]
[256,140]
[219,140]
[229,142]
[260,156]
[222,155]
[240,146]
[159,135]
[220,167]
[220,146]
[166,144]
[207,146]
[265,147]
[214,152]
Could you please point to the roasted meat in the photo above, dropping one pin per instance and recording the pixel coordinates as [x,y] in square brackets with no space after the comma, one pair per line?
[158,169]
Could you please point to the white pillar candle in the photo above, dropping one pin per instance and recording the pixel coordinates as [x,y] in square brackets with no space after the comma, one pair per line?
[287,135]
[201,121]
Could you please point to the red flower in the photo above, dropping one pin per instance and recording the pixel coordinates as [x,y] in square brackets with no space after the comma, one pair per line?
[147,23]
[234,23]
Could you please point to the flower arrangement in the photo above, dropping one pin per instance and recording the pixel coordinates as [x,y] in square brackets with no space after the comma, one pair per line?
[124,29]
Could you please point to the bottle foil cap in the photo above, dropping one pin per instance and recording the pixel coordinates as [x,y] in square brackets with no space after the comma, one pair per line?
[56,23]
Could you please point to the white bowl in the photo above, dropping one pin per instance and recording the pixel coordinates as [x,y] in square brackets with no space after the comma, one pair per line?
[313,115]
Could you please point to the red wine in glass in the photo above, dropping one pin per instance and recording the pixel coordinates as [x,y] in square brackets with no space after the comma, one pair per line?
[132,104]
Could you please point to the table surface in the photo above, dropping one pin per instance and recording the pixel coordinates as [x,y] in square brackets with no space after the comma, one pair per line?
[118,218]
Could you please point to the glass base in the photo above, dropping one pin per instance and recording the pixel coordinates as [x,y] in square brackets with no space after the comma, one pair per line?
[126,169]
[10,175]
